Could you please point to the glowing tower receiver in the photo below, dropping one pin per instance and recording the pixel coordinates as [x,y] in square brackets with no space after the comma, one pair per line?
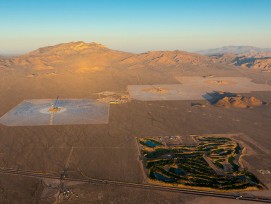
[54,109]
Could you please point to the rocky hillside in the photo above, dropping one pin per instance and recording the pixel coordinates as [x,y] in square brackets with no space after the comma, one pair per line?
[244,56]
[260,61]
[84,57]
[165,58]
[239,102]
[92,57]
[79,56]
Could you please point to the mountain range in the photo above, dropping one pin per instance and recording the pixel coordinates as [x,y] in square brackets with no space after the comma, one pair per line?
[84,57]
[244,56]
[239,50]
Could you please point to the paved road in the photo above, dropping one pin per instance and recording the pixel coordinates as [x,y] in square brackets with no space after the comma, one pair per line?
[137,185]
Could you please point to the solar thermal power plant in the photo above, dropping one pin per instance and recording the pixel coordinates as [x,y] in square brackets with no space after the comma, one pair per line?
[194,88]
[135,102]
[57,112]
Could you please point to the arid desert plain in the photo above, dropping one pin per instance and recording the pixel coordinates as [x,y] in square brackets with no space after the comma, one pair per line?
[109,136]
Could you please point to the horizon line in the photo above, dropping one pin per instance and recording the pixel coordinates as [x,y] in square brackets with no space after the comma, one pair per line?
[6,54]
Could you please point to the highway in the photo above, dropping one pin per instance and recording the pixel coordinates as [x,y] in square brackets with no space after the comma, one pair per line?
[138,185]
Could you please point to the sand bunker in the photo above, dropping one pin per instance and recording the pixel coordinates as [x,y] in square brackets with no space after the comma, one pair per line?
[239,102]
[194,88]
[73,111]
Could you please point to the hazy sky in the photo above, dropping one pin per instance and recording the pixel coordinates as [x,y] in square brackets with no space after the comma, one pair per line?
[134,25]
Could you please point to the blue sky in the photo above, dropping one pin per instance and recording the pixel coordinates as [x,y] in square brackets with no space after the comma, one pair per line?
[134,25]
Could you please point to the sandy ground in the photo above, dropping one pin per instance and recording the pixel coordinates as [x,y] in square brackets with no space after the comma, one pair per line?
[109,150]
[212,200]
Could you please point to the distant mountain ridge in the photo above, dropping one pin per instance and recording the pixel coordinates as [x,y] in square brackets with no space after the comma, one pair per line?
[239,50]
[88,57]
[68,48]
[81,57]
[243,56]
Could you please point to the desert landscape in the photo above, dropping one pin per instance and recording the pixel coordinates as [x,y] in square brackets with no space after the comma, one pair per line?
[91,153]
[135,102]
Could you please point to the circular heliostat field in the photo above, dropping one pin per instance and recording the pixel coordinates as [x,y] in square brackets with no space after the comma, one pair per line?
[69,112]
